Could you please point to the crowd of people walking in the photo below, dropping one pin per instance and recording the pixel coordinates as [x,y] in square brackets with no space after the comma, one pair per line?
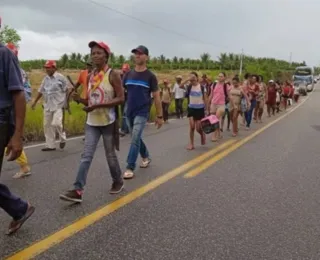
[135,90]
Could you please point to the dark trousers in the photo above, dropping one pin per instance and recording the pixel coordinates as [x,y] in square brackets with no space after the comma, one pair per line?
[124,126]
[165,111]
[11,204]
[179,108]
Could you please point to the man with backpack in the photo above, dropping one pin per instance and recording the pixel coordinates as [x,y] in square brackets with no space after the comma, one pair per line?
[218,99]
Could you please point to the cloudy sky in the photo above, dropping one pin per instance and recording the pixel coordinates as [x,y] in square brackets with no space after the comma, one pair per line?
[272,28]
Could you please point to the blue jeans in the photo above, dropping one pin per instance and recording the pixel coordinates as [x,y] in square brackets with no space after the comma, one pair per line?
[10,203]
[124,125]
[92,137]
[136,127]
[248,114]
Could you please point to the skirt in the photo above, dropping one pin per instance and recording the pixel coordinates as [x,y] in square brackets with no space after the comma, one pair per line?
[196,113]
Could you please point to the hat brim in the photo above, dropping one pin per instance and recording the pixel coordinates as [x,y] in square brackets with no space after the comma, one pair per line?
[49,66]
[92,44]
[134,51]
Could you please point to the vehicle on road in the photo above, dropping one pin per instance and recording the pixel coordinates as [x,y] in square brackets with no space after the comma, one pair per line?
[304,75]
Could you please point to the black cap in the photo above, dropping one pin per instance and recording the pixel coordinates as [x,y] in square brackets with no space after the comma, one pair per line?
[142,49]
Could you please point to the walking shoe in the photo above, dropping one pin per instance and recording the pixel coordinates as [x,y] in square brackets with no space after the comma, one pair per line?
[15,225]
[19,175]
[62,145]
[145,163]
[116,187]
[47,149]
[128,174]
[72,195]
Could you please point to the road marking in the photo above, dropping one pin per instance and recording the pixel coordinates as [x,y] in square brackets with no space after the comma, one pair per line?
[70,139]
[199,169]
[84,222]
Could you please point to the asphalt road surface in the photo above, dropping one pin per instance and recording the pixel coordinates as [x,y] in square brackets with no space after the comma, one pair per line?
[255,198]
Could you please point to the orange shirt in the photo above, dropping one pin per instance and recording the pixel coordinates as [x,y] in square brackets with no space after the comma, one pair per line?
[82,80]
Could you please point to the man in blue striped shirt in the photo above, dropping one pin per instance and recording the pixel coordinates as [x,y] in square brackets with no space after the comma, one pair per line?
[140,83]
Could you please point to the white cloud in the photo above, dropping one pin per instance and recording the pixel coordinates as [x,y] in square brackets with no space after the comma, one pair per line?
[272,28]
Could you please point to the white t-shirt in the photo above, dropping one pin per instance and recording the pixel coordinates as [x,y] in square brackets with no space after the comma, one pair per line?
[178,92]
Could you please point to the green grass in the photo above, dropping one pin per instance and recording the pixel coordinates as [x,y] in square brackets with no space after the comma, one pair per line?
[74,123]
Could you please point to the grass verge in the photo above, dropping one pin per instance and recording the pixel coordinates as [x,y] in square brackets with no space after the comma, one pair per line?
[74,123]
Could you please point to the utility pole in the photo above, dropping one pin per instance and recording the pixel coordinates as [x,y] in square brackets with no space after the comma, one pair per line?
[241,62]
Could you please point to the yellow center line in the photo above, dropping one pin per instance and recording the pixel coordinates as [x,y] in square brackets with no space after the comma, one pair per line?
[197,170]
[61,235]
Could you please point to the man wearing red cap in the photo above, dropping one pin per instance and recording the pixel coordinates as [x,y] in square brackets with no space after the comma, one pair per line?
[124,127]
[54,91]
[12,115]
[105,93]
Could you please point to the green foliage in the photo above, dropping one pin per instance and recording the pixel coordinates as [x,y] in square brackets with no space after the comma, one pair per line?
[268,67]
[8,34]
[74,123]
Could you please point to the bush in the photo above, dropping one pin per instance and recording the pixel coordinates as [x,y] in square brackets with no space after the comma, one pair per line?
[74,123]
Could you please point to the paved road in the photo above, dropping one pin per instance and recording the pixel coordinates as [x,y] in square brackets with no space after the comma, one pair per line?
[259,202]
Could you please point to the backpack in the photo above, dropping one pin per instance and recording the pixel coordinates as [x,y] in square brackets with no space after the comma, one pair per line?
[189,90]
[226,97]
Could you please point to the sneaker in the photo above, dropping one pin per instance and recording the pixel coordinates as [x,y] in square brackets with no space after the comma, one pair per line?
[145,163]
[72,195]
[19,175]
[116,187]
[62,145]
[128,174]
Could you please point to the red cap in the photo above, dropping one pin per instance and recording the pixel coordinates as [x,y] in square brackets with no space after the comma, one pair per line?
[125,67]
[13,48]
[101,45]
[50,64]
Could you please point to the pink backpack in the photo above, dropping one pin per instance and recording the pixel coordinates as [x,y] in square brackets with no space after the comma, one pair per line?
[210,124]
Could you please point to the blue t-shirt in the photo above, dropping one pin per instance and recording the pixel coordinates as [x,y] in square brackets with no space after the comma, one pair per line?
[10,80]
[139,86]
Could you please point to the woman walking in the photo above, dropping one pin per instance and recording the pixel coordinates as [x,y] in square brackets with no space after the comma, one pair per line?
[261,99]
[218,100]
[252,92]
[235,95]
[166,100]
[271,98]
[197,101]
[105,93]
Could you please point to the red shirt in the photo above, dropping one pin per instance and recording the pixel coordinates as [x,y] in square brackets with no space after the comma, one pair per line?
[253,91]
[286,91]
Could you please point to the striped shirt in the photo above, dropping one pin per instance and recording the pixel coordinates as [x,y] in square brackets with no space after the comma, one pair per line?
[196,97]
[139,86]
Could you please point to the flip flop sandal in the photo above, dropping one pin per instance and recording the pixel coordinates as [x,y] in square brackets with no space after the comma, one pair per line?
[15,225]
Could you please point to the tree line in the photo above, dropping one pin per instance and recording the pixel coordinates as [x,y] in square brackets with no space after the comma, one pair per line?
[269,67]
